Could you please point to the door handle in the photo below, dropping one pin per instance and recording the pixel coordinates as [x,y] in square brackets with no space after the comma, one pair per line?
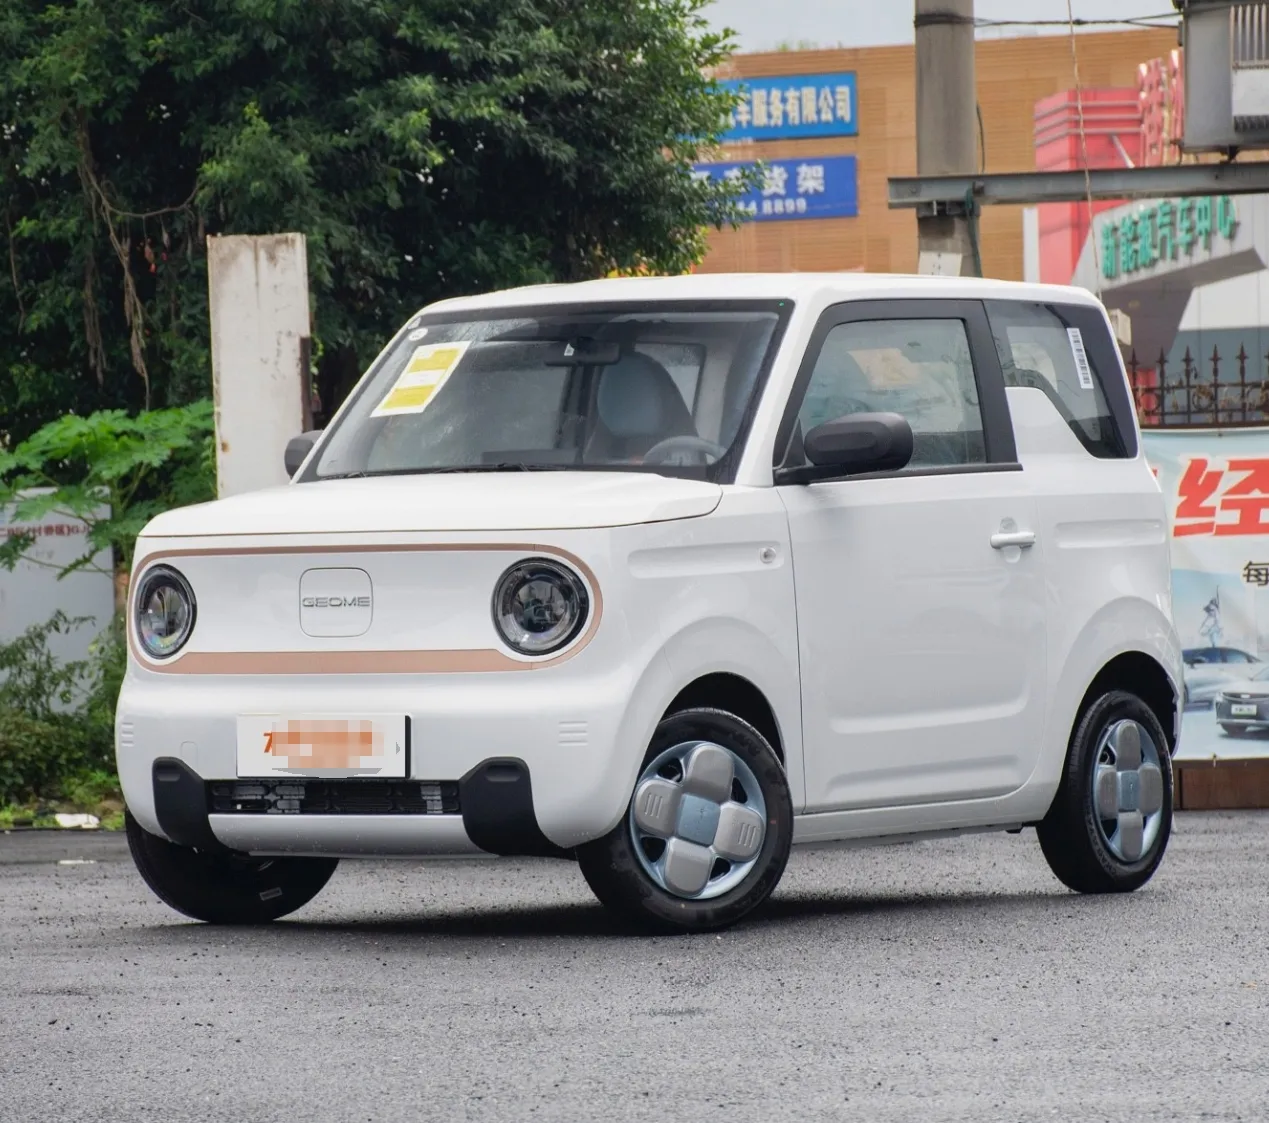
[1007,538]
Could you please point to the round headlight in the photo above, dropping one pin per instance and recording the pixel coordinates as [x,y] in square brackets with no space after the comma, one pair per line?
[164,611]
[539,606]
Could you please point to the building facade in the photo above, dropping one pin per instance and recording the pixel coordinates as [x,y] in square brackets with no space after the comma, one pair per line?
[877,128]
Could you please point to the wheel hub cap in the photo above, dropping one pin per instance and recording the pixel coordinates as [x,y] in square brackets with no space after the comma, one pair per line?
[698,820]
[1128,790]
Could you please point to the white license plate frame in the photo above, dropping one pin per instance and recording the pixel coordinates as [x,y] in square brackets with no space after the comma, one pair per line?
[327,741]
[1243,709]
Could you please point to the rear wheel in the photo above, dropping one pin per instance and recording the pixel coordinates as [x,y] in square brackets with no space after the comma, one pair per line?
[225,887]
[1110,821]
[707,833]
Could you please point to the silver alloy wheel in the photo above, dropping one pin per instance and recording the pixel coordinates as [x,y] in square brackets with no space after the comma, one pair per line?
[698,820]
[1128,790]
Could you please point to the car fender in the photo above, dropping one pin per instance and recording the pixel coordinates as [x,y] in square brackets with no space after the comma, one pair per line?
[1126,624]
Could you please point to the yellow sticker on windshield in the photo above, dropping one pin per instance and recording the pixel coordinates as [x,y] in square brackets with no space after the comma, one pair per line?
[424,375]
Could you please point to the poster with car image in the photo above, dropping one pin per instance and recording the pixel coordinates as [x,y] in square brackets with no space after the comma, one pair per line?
[1216,482]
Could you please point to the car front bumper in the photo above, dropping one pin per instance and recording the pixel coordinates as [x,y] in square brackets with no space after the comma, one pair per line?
[1225,710]
[499,763]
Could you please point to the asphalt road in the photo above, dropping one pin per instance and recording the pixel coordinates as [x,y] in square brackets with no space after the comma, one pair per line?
[939,981]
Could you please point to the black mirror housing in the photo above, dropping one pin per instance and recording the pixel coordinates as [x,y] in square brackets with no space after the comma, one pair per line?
[297,448]
[858,443]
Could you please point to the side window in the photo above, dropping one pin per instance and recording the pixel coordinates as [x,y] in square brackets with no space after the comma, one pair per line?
[1233,655]
[1066,351]
[918,368]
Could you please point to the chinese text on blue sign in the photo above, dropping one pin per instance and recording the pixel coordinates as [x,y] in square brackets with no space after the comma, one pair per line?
[799,105]
[810,187]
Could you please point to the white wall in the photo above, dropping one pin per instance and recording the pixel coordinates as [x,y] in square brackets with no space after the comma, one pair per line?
[1240,302]
[31,593]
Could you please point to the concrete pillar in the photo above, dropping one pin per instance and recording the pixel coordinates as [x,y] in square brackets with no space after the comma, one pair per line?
[946,123]
[258,289]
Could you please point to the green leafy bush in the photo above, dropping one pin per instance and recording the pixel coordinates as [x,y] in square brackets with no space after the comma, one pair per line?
[57,719]
[114,472]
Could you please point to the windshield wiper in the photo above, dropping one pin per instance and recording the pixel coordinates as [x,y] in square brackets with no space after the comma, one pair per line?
[498,466]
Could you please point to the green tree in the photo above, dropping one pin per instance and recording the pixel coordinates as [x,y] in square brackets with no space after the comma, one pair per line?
[111,471]
[425,147]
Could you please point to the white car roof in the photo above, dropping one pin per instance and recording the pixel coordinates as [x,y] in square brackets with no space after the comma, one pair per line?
[817,288]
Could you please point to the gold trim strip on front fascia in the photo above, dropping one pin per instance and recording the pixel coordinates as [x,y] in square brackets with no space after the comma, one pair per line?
[422,662]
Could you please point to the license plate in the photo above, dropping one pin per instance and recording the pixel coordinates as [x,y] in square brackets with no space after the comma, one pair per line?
[1242,711]
[331,745]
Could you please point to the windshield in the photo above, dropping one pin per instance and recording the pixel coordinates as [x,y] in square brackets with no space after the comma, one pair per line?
[665,388]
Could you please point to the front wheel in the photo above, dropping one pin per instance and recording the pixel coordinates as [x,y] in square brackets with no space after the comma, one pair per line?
[1110,821]
[707,833]
[225,888]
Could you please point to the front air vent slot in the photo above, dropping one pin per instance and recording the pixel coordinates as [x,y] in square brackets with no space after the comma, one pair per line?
[333,797]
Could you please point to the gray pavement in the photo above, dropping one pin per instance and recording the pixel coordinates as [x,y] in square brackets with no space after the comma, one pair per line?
[950,980]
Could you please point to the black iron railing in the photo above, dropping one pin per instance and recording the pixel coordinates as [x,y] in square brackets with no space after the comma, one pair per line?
[1205,392]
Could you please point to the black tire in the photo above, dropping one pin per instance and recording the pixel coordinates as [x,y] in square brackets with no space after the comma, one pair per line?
[1234,730]
[616,876]
[225,888]
[1070,835]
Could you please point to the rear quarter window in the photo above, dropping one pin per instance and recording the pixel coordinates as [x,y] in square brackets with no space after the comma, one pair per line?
[1066,350]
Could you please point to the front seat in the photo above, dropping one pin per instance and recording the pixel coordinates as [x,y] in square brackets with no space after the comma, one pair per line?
[637,405]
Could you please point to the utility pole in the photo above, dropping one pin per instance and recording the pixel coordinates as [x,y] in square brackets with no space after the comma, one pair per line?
[946,129]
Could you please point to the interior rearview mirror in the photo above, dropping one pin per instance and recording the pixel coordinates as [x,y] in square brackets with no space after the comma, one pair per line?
[580,352]
[297,448]
[858,443]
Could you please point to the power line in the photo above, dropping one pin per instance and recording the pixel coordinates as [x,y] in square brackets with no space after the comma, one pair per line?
[1088,180]
[1127,21]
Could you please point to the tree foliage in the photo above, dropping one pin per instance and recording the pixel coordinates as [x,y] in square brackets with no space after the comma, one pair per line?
[425,147]
[113,472]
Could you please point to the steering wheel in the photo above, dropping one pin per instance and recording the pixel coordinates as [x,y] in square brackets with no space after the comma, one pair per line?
[679,450]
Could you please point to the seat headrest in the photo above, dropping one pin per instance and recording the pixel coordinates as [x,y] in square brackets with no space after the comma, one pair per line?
[638,398]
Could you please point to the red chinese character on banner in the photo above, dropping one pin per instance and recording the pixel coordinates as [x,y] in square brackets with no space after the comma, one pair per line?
[1196,488]
[60,530]
[1249,498]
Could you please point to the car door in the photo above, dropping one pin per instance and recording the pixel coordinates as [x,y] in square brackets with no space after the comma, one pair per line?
[920,594]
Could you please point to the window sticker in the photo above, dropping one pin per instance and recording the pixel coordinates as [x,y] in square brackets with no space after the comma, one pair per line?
[1082,368]
[424,375]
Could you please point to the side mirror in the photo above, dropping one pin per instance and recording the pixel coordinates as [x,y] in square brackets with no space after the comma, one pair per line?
[297,448]
[858,443]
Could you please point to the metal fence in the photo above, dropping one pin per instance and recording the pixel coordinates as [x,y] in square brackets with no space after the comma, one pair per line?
[1205,391]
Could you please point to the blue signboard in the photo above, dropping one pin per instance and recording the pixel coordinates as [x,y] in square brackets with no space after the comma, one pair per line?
[798,105]
[807,187]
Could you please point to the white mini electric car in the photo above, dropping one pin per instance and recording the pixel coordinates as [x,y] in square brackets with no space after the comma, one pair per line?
[667,576]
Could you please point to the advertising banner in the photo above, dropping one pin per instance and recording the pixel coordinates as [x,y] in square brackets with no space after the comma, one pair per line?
[793,106]
[1216,483]
[809,187]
